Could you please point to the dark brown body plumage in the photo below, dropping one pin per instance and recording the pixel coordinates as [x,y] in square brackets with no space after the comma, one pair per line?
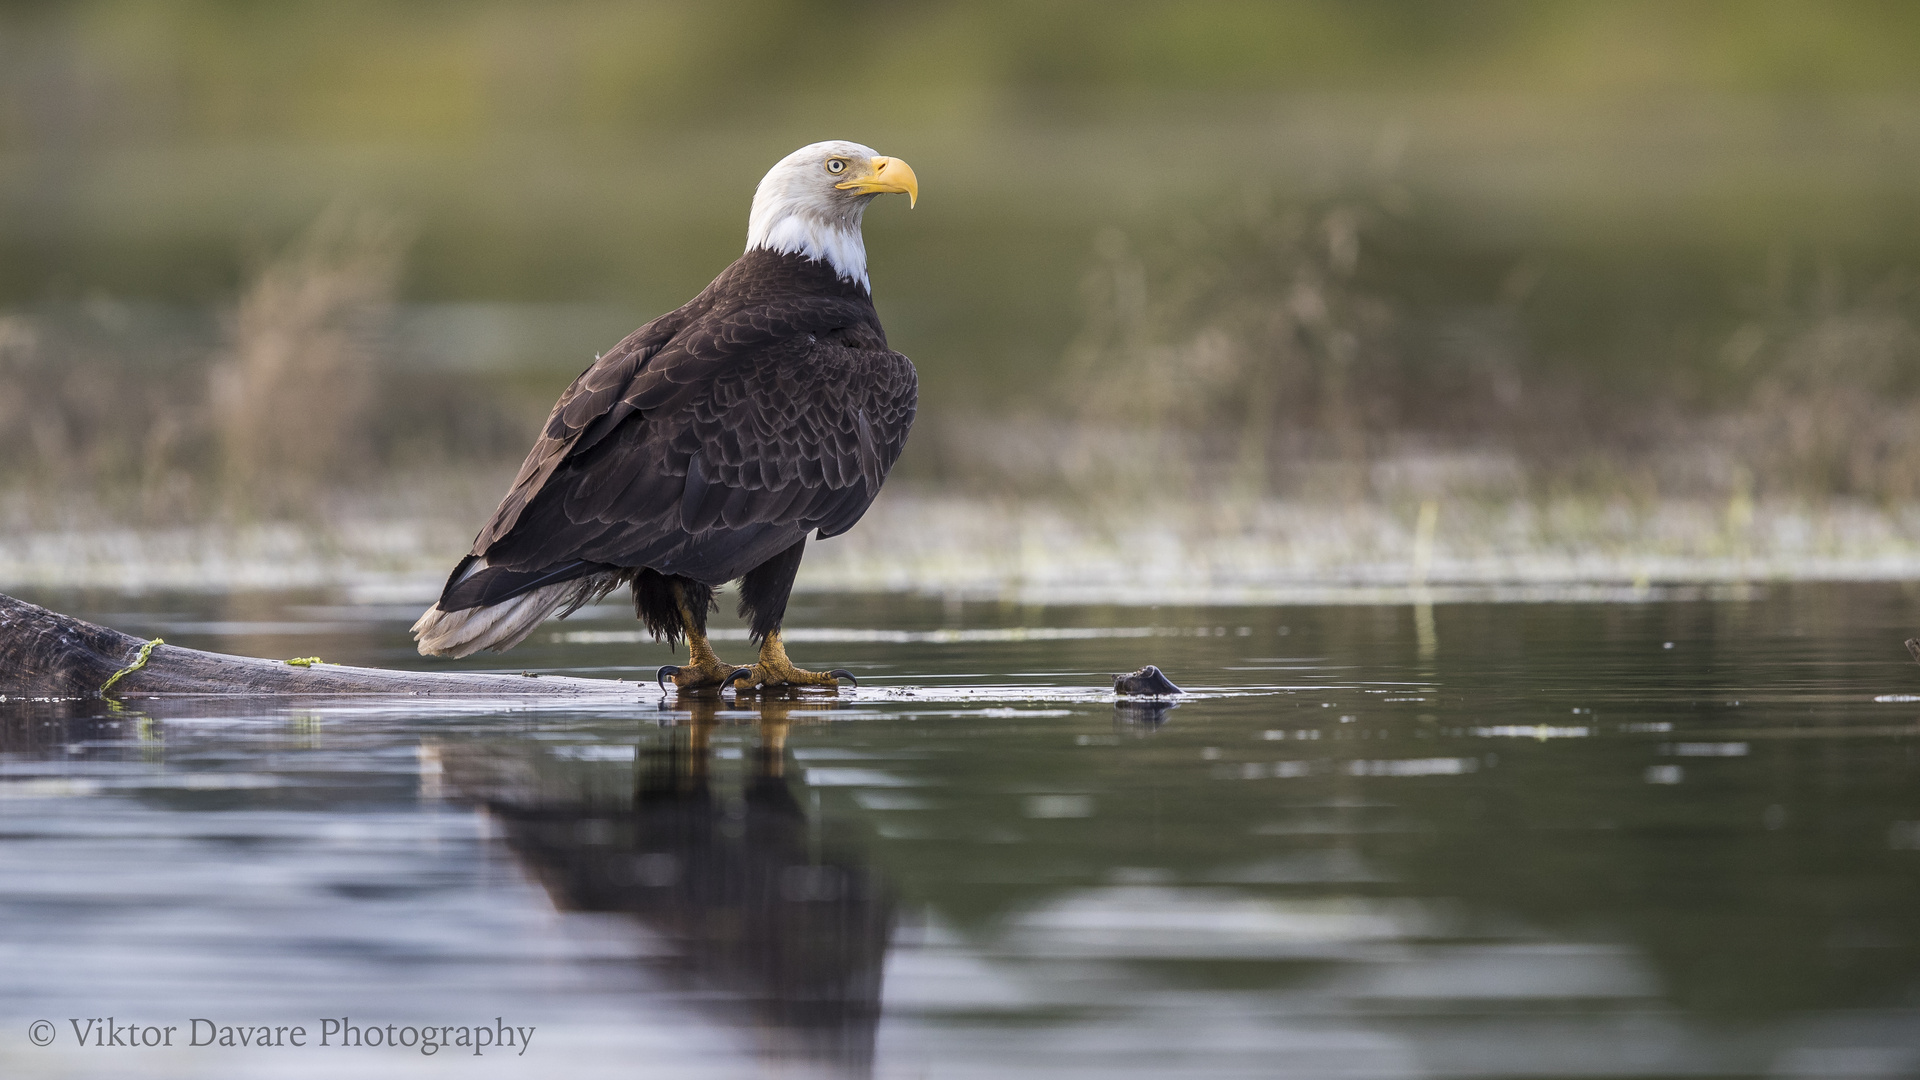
[703,448]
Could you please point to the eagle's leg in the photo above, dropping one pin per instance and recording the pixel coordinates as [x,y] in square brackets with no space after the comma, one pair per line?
[763,602]
[704,670]
[774,669]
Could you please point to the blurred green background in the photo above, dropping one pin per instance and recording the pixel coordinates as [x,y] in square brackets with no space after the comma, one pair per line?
[1649,246]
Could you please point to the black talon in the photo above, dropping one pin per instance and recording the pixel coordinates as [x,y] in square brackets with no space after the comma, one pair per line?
[666,672]
[736,675]
[843,673]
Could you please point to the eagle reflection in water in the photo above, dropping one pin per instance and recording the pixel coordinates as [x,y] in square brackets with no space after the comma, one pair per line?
[731,875]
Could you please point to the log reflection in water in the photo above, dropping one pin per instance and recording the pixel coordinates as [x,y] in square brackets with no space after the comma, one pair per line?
[731,876]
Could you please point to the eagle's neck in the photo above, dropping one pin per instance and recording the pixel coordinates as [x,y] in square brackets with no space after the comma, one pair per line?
[791,226]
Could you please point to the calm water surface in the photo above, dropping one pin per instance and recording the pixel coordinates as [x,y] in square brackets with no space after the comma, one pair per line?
[1679,837]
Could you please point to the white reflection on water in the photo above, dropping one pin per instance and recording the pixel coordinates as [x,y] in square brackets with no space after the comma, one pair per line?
[1134,922]
[860,778]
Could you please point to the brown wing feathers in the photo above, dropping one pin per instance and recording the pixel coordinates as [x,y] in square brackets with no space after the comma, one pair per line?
[706,448]
[593,396]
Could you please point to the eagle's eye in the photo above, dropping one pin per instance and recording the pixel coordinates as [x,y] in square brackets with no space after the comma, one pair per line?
[836,166]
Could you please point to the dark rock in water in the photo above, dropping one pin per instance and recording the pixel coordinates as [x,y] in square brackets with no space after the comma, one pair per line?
[1147,682]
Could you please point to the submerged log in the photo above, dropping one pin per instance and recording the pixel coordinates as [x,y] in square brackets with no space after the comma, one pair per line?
[46,654]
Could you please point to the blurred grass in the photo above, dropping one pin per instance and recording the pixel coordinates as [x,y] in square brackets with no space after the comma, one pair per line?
[1295,337]
[292,393]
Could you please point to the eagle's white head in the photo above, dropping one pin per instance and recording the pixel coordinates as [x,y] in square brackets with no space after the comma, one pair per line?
[812,201]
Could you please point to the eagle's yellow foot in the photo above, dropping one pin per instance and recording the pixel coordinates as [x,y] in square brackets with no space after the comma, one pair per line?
[704,671]
[775,670]
[772,676]
[699,676]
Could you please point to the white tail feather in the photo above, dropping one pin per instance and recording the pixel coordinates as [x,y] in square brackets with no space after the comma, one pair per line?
[498,626]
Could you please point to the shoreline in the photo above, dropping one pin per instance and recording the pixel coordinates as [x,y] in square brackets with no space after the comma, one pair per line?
[1040,552]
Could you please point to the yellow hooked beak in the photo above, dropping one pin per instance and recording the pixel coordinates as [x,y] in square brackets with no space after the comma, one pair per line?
[890,175]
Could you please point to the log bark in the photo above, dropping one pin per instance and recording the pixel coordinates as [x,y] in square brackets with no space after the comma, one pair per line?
[46,654]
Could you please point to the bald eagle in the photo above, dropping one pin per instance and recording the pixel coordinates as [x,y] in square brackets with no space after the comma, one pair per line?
[706,446]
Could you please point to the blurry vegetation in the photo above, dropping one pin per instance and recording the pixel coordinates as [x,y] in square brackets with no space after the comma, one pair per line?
[82,413]
[292,395]
[1832,380]
[1256,248]
[314,71]
[289,393]
[1259,350]
[1241,343]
